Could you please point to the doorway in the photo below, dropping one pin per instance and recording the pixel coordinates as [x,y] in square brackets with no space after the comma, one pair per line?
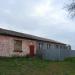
[31,50]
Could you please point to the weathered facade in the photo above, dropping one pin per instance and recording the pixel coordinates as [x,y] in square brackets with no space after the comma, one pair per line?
[7,46]
[20,44]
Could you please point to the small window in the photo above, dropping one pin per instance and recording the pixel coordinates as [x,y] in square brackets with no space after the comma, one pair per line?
[48,46]
[61,47]
[57,46]
[17,45]
[40,45]
[64,47]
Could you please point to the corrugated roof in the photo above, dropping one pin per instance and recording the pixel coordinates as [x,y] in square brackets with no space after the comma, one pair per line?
[28,36]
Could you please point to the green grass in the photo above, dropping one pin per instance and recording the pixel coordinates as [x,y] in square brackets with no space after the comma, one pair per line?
[35,66]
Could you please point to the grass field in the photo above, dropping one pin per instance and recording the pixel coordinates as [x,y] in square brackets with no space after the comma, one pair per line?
[35,66]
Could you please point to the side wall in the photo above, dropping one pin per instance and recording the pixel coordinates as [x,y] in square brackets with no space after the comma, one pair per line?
[51,51]
[7,46]
[48,51]
[72,53]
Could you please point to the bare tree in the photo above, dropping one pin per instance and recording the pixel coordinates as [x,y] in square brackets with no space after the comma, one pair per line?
[71,8]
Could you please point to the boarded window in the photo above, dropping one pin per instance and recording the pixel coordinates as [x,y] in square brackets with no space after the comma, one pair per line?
[18,45]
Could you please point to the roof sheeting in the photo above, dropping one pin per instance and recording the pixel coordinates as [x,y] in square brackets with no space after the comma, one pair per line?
[28,36]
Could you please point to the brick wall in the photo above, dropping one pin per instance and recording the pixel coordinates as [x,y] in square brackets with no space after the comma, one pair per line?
[7,46]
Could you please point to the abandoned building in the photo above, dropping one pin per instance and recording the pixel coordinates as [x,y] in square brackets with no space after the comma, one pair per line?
[14,43]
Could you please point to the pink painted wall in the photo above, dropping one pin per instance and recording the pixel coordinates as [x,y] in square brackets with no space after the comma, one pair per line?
[7,46]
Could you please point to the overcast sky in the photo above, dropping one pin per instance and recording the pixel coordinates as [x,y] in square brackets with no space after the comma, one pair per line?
[45,18]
